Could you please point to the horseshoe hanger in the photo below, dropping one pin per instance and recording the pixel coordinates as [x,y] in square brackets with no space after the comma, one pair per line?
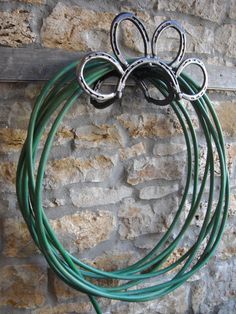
[138,68]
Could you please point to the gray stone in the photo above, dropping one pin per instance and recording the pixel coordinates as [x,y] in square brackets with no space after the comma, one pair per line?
[232,9]
[165,209]
[200,214]
[225,40]
[198,294]
[84,230]
[230,154]
[173,303]
[227,246]
[232,205]
[96,196]
[164,149]
[199,38]
[133,151]
[150,168]
[158,191]
[17,239]
[220,285]
[71,170]
[65,308]
[138,219]
[23,286]
[214,10]
[62,28]
[98,136]
[150,125]
[15,30]
[227,307]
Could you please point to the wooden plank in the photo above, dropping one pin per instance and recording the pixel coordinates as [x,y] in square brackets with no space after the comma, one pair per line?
[30,64]
[27,64]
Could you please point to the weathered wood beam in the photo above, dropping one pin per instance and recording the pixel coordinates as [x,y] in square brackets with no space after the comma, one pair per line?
[30,64]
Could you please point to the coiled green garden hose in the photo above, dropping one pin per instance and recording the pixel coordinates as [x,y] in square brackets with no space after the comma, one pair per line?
[62,92]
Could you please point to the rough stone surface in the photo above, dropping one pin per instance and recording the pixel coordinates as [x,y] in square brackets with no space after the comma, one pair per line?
[227,246]
[158,191]
[174,303]
[62,291]
[33,1]
[230,155]
[7,175]
[23,286]
[93,196]
[111,261]
[165,209]
[62,28]
[232,205]
[16,112]
[147,169]
[200,214]
[225,40]
[214,11]
[84,230]
[11,139]
[164,149]
[54,202]
[130,37]
[65,308]
[140,219]
[198,293]
[227,120]
[15,29]
[133,151]
[137,219]
[64,135]
[149,125]
[199,38]
[101,136]
[18,242]
[222,276]
[232,10]
[72,170]
[174,257]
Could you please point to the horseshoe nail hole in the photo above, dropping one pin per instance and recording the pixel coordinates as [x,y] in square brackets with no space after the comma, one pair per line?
[130,40]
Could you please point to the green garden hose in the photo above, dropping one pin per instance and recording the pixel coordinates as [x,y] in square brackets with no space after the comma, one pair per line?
[62,92]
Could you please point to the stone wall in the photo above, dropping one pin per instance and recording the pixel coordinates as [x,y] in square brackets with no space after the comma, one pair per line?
[127,161]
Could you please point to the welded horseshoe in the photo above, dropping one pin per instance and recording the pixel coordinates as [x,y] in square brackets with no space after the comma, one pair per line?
[146,61]
[118,53]
[114,35]
[169,70]
[182,41]
[100,97]
[201,65]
